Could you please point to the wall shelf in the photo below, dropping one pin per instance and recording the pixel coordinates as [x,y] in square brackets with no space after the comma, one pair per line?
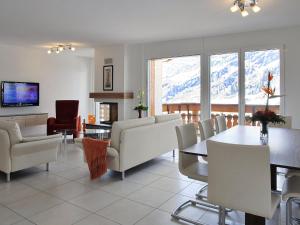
[111,95]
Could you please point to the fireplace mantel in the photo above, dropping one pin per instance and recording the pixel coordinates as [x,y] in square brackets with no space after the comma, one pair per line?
[111,95]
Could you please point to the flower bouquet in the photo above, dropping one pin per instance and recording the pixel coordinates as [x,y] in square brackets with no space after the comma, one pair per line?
[267,116]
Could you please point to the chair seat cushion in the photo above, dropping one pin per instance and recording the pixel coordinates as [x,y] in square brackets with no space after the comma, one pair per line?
[197,171]
[291,188]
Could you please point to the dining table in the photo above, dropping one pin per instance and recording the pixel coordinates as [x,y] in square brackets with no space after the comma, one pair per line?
[284,147]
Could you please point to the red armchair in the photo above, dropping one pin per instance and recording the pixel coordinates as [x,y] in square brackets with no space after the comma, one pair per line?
[66,118]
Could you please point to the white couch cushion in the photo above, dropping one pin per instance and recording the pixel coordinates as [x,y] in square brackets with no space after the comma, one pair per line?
[167,117]
[13,131]
[119,126]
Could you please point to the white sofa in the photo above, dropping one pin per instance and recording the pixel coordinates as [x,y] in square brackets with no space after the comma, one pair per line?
[17,152]
[136,141]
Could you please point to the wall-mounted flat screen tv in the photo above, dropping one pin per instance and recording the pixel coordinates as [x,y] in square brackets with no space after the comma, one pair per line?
[19,94]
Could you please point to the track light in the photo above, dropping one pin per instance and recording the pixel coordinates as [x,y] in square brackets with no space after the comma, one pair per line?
[60,48]
[244,13]
[234,8]
[243,4]
[256,8]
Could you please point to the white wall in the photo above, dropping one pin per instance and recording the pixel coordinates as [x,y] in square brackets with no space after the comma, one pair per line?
[62,76]
[287,37]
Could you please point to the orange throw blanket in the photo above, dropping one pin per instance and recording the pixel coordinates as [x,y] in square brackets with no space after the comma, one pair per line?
[95,153]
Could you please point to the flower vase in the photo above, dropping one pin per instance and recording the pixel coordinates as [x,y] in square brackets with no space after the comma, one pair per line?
[140,113]
[264,134]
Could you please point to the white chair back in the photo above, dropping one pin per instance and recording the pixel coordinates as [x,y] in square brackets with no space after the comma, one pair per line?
[287,124]
[239,177]
[206,129]
[220,122]
[186,136]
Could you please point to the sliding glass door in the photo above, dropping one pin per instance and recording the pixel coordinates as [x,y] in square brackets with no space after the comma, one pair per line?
[224,86]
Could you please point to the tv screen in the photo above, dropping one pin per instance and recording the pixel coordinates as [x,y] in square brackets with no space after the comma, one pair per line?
[14,94]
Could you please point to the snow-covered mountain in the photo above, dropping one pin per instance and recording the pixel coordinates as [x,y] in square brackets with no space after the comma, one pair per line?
[181,78]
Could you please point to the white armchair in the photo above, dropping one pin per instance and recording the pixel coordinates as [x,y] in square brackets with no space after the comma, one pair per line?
[17,153]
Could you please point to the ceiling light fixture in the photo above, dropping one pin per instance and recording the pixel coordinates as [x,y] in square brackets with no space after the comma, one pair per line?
[60,48]
[243,4]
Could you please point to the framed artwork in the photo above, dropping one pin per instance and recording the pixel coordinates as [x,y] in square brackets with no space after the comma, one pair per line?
[108,73]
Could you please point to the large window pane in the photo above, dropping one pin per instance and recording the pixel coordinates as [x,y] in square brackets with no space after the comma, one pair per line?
[175,85]
[257,66]
[224,89]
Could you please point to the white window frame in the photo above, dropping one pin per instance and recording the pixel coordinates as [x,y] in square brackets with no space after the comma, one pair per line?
[241,55]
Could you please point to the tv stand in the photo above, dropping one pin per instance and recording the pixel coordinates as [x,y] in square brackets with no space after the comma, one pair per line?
[27,120]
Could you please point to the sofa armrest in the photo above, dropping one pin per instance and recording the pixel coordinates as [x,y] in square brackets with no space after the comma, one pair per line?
[35,146]
[5,159]
[39,138]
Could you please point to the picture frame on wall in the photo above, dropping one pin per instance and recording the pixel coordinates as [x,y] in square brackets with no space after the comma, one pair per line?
[108,74]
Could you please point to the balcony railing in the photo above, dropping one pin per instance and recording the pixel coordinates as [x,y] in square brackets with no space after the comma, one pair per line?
[190,112]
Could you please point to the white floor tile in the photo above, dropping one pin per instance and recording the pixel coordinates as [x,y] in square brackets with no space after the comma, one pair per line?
[65,214]
[8,217]
[125,212]
[45,181]
[150,196]
[173,203]
[69,190]
[34,204]
[170,184]
[159,169]
[95,220]
[191,190]
[95,200]
[74,174]
[108,178]
[159,218]
[23,222]
[122,188]
[14,192]
[177,175]
[142,177]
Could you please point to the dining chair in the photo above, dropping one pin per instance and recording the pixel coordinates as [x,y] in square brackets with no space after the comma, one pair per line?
[190,166]
[220,123]
[239,179]
[291,194]
[288,125]
[206,128]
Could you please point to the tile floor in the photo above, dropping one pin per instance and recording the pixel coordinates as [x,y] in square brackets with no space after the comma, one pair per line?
[66,195]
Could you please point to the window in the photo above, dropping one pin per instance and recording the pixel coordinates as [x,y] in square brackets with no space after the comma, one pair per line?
[175,85]
[224,88]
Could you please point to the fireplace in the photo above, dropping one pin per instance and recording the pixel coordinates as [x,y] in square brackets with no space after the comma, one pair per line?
[107,112]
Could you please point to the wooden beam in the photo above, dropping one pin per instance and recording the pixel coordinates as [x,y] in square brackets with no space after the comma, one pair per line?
[112,95]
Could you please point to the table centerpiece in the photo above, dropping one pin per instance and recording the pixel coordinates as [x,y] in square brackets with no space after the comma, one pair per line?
[267,116]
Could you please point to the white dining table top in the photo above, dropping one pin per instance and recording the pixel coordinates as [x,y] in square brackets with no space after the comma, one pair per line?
[284,143]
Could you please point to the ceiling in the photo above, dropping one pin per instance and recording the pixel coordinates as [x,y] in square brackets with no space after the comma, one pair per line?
[92,23]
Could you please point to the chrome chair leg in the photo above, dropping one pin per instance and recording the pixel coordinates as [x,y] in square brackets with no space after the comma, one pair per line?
[222,216]
[288,211]
[176,212]
[204,198]
[199,194]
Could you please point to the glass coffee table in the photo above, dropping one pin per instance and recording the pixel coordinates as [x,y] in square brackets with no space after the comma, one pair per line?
[101,134]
